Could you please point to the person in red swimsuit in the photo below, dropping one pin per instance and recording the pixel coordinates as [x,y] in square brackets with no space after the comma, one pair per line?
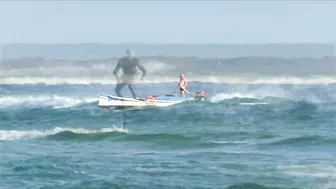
[183,83]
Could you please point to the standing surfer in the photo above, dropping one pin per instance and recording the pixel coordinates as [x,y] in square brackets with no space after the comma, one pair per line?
[183,83]
[128,64]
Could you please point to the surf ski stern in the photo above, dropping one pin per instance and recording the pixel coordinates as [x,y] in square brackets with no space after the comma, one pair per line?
[200,96]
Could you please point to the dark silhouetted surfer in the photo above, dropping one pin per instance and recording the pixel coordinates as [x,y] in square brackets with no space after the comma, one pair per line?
[129,66]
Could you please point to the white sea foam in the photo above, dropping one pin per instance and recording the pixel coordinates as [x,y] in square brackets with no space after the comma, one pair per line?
[10,135]
[42,101]
[166,79]
[227,96]
[310,170]
[253,103]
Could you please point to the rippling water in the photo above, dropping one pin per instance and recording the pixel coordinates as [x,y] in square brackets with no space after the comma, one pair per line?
[244,136]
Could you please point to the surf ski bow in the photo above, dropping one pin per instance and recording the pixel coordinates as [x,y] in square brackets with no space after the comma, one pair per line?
[108,101]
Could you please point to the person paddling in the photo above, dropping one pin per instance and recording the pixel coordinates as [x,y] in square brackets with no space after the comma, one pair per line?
[182,85]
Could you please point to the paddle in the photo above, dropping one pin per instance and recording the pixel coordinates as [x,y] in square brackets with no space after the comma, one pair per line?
[171,94]
[189,93]
[165,94]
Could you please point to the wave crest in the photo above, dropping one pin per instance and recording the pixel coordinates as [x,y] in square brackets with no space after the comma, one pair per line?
[160,78]
[34,134]
[53,101]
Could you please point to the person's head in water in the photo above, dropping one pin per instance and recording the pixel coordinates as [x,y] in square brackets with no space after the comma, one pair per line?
[129,54]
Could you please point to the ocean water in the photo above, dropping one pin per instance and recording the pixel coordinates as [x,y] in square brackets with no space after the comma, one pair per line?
[270,126]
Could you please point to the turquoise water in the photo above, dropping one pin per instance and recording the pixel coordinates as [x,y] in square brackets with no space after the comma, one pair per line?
[242,137]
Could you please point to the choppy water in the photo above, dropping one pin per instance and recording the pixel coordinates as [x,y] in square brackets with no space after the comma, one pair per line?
[269,122]
[262,136]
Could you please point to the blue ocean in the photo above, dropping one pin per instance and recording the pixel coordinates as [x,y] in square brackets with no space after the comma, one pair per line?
[268,121]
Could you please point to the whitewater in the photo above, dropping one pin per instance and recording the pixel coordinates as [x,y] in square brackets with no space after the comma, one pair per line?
[268,122]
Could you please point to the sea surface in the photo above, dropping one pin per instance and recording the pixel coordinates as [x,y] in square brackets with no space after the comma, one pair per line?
[269,122]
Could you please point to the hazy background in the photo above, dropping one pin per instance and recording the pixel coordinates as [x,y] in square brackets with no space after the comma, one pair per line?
[221,41]
[167,22]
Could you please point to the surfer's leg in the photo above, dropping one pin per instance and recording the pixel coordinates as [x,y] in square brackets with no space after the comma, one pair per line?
[118,88]
[182,93]
[130,86]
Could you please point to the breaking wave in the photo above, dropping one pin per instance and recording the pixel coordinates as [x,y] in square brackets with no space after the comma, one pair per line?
[318,170]
[253,70]
[35,134]
[169,79]
[53,101]
[305,141]
[252,186]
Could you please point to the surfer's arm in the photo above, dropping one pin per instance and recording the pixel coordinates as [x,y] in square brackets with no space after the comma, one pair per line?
[179,86]
[116,69]
[143,70]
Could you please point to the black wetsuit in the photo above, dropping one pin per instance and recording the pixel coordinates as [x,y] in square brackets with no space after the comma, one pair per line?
[129,68]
